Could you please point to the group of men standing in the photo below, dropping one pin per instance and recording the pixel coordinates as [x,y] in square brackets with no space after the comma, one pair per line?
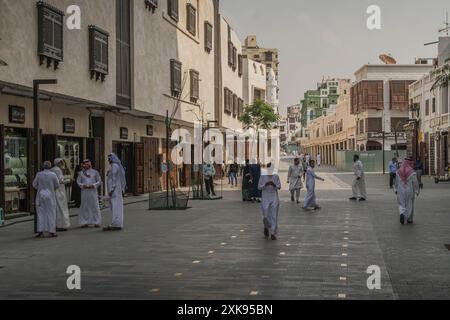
[52,207]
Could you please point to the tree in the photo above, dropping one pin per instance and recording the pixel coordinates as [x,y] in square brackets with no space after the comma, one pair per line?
[259,116]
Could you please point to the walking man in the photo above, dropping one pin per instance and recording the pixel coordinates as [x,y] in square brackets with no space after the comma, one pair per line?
[269,184]
[46,183]
[310,200]
[407,188]
[359,183]
[116,184]
[319,159]
[89,181]
[62,206]
[209,172]
[295,180]
[419,172]
[393,166]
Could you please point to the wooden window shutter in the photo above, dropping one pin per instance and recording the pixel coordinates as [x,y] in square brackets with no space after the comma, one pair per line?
[240,65]
[234,58]
[173,9]
[191,19]
[235,105]
[98,52]
[50,34]
[175,77]
[230,53]
[208,37]
[195,86]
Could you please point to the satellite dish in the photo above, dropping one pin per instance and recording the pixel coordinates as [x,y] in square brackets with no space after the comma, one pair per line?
[387,59]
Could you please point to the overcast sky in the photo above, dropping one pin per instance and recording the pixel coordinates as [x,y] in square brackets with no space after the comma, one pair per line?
[318,38]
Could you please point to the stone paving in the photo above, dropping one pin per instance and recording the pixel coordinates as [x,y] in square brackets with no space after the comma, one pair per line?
[216,250]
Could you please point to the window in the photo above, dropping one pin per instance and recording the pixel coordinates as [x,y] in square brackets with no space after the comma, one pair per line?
[230,53]
[235,105]
[240,107]
[172,9]
[269,56]
[208,37]
[234,58]
[427,107]
[175,77]
[227,101]
[433,105]
[123,52]
[151,5]
[98,53]
[240,65]
[191,19]
[50,35]
[195,87]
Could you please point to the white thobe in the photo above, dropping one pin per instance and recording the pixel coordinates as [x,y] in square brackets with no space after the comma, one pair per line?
[359,185]
[115,191]
[406,195]
[295,177]
[270,202]
[319,159]
[46,183]
[90,208]
[62,207]
[310,200]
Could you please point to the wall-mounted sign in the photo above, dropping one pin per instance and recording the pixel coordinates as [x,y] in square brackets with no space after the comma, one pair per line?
[16,114]
[150,130]
[387,135]
[68,125]
[124,133]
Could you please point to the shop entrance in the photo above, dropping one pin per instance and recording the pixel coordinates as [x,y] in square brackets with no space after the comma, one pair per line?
[132,157]
[15,189]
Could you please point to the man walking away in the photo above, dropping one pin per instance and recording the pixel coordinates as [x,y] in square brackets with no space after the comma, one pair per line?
[209,172]
[419,172]
[393,166]
[116,184]
[319,159]
[310,200]
[62,206]
[359,183]
[89,181]
[295,180]
[407,188]
[269,184]
[46,183]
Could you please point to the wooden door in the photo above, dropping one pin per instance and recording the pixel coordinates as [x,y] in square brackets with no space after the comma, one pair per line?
[139,165]
[151,168]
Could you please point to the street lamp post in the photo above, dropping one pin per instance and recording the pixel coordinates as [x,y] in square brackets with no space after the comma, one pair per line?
[37,137]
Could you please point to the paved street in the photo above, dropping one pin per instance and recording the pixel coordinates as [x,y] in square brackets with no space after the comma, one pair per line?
[216,250]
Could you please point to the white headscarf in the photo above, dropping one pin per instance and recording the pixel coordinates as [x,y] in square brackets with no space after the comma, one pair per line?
[115,159]
[57,161]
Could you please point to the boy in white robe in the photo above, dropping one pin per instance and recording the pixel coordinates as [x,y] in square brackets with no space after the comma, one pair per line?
[295,180]
[407,187]
[116,184]
[62,207]
[46,183]
[89,181]
[310,200]
[359,181]
[269,184]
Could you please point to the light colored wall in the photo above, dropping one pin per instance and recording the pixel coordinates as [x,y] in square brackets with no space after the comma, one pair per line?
[158,38]
[230,78]
[253,79]
[18,47]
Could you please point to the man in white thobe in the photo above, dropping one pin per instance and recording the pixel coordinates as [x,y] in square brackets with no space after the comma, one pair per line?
[310,200]
[62,207]
[269,184]
[295,180]
[319,159]
[46,183]
[407,187]
[359,182]
[116,184]
[89,181]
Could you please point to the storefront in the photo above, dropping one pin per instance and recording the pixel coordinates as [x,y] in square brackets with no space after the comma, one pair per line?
[15,189]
